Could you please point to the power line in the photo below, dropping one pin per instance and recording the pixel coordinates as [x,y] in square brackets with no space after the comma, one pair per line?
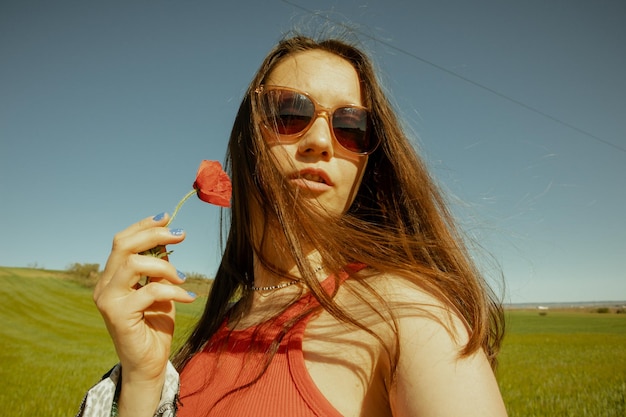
[465,79]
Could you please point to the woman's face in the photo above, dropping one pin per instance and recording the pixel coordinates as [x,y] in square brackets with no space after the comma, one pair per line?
[315,163]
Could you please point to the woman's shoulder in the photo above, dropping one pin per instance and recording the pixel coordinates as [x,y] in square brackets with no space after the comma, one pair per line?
[404,300]
[430,368]
[399,291]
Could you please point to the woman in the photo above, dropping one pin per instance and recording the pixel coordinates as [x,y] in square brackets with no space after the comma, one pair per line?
[344,287]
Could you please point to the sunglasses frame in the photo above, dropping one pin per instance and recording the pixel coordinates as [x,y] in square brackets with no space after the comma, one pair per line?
[319,111]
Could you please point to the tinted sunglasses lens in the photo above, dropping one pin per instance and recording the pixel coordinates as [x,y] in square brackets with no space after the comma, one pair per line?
[287,112]
[350,129]
[290,113]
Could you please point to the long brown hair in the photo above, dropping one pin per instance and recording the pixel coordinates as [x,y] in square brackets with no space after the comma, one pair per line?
[399,222]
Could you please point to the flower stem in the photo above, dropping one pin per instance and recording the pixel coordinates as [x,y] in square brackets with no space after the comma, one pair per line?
[180,204]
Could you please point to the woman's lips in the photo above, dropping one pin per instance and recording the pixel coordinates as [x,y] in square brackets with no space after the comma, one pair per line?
[312,178]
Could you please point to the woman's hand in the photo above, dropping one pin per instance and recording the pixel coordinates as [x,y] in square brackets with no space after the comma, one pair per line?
[140,319]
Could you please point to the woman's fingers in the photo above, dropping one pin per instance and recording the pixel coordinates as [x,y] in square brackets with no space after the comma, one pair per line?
[122,276]
[156,292]
[146,239]
[140,237]
[133,305]
[135,267]
[146,223]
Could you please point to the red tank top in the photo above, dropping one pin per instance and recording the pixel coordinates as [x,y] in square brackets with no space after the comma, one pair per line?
[234,359]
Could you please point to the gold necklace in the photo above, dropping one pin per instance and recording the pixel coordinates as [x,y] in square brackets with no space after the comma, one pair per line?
[284,284]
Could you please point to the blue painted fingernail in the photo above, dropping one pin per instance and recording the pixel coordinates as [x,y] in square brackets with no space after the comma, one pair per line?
[176,232]
[181,275]
[192,294]
[158,217]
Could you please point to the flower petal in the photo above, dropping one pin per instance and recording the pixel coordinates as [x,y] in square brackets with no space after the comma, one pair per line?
[213,184]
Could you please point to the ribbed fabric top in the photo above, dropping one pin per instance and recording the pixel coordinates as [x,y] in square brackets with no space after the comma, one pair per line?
[232,359]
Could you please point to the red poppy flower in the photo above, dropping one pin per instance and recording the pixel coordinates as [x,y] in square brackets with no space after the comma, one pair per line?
[212,184]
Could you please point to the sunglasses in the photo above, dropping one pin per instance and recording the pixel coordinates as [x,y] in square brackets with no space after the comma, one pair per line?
[290,113]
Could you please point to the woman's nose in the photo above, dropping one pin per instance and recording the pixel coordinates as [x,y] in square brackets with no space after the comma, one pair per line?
[318,139]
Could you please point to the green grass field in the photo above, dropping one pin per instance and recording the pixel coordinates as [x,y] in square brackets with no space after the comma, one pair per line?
[53,343]
[566,363]
[54,347]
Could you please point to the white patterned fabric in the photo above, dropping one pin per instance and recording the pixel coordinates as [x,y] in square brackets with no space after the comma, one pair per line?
[99,400]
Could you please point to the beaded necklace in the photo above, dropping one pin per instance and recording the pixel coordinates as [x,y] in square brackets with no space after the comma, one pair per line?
[284,284]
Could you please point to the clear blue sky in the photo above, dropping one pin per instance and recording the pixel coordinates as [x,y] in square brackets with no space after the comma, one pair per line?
[107,108]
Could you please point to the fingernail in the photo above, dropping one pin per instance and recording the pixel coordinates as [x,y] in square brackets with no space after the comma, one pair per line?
[158,217]
[192,294]
[176,232]
[181,275]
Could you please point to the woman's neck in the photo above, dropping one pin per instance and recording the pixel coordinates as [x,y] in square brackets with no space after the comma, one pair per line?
[283,268]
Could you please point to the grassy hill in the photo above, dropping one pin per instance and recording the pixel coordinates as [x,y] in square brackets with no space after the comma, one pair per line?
[53,343]
[54,346]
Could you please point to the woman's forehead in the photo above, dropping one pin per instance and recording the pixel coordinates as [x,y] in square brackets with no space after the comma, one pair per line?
[318,72]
